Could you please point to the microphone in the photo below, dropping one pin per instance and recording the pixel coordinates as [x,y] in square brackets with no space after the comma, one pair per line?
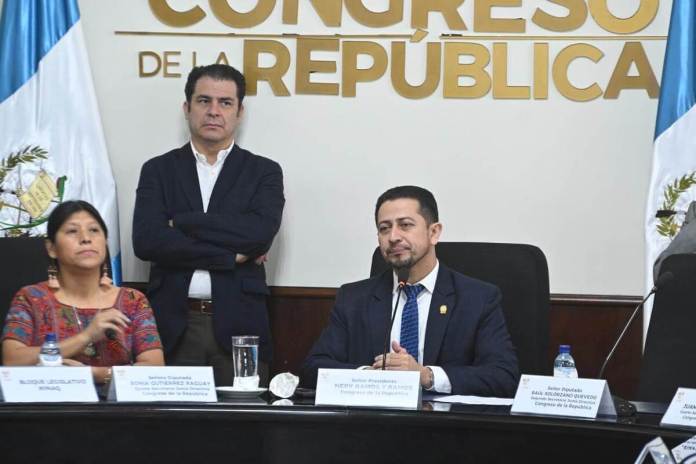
[662,280]
[110,334]
[663,213]
[402,278]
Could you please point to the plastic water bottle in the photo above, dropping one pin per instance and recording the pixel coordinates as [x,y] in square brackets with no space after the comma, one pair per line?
[564,365]
[50,353]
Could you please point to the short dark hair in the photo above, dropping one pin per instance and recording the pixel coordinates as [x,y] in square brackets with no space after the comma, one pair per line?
[63,211]
[219,72]
[426,201]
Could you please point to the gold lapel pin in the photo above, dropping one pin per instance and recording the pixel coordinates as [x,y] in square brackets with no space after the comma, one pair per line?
[443,309]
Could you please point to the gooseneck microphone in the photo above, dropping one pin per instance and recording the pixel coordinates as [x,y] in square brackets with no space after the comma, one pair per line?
[662,280]
[402,278]
[664,213]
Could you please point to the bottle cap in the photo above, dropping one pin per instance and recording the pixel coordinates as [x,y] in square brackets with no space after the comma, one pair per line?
[564,349]
[50,337]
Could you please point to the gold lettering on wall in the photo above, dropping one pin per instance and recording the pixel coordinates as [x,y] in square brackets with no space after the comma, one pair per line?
[171,17]
[541,71]
[475,70]
[392,15]
[560,72]
[222,59]
[632,53]
[485,22]
[231,17]
[330,11]
[501,88]
[467,66]
[432,71]
[351,74]
[305,66]
[448,9]
[168,64]
[647,10]
[143,69]
[576,17]
[254,73]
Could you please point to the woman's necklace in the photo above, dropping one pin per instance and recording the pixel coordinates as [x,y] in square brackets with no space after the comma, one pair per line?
[90,350]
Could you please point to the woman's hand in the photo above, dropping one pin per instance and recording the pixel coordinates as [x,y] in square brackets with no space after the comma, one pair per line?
[72,362]
[109,319]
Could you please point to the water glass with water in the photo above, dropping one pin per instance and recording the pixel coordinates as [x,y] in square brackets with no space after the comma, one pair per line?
[245,352]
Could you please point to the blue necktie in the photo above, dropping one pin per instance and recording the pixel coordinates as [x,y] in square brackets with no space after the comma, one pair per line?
[409,320]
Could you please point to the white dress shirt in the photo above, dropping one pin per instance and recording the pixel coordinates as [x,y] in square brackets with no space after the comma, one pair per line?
[441,382]
[200,286]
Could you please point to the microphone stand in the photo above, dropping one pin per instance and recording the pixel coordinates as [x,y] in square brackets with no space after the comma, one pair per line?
[662,280]
[402,277]
[623,332]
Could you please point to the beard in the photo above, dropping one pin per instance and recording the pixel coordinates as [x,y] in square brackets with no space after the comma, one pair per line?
[403,262]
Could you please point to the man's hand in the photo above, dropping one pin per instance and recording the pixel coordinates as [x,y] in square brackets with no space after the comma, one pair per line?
[400,360]
[244,258]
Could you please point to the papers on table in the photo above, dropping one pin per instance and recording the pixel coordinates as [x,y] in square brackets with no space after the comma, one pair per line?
[467,399]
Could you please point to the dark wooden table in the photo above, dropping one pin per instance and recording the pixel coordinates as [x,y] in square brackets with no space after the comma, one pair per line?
[258,431]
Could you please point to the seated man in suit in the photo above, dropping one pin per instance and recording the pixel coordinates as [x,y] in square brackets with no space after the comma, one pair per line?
[449,327]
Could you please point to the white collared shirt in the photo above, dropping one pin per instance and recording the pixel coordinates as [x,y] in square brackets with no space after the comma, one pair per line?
[441,382]
[200,286]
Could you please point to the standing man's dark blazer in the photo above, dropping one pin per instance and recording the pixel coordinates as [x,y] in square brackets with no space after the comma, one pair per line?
[243,216]
[468,339]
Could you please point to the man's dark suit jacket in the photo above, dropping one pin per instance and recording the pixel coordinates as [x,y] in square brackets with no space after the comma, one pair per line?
[243,216]
[469,341]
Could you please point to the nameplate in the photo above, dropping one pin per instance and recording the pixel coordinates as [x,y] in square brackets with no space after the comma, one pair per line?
[555,396]
[374,388]
[682,409]
[47,385]
[658,452]
[686,450]
[171,383]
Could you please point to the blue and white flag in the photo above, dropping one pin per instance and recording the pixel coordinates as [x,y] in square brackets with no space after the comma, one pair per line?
[673,180]
[52,144]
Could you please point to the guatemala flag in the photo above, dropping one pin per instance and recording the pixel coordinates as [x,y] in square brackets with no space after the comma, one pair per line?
[52,144]
[673,180]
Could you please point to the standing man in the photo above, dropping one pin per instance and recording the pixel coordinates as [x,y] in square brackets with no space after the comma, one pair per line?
[449,327]
[205,216]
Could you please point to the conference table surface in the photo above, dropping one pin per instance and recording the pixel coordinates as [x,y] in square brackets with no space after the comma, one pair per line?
[264,429]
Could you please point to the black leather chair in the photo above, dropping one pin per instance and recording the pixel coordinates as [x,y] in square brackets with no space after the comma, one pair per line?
[521,273]
[669,357]
[23,261]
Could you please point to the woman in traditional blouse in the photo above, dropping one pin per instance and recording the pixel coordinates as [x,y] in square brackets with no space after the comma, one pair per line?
[95,322]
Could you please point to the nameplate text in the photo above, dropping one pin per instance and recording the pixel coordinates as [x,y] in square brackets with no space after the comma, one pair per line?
[170,383]
[350,387]
[682,409]
[555,396]
[47,385]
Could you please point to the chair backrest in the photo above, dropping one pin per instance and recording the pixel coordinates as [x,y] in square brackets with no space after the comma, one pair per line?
[521,273]
[23,261]
[669,356]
